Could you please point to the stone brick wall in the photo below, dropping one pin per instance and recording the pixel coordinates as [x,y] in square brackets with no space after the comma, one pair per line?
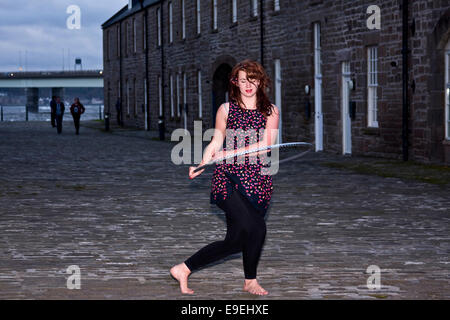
[288,36]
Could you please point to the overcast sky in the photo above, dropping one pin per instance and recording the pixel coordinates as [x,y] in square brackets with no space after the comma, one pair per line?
[34,33]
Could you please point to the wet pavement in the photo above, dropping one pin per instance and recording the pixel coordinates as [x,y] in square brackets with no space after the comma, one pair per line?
[114,205]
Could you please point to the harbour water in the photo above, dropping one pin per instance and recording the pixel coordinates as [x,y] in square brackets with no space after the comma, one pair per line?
[18,113]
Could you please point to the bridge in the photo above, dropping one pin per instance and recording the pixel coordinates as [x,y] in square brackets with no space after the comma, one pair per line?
[57,80]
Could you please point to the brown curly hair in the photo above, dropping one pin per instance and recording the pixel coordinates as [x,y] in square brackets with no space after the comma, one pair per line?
[254,70]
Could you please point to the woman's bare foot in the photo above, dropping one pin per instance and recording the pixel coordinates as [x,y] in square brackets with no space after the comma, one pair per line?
[181,273]
[253,287]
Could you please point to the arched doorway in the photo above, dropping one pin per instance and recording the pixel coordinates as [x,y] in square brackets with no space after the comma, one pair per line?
[220,88]
[438,51]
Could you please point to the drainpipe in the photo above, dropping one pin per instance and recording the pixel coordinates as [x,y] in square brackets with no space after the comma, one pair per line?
[162,57]
[405,112]
[146,62]
[261,4]
[120,73]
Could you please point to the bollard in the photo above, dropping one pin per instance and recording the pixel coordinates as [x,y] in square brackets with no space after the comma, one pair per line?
[161,127]
[106,121]
[100,112]
[26,113]
[1,113]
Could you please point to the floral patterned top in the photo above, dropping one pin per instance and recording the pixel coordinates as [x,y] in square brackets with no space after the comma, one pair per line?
[246,176]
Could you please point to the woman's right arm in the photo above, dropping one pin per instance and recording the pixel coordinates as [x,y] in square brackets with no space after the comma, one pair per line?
[216,142]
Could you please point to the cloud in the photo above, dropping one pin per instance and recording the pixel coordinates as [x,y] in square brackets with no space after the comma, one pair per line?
[34,34]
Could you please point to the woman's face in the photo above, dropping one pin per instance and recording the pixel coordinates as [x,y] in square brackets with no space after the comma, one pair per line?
[248,88]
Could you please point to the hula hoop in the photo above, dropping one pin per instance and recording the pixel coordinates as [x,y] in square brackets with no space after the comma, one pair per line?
[279,146]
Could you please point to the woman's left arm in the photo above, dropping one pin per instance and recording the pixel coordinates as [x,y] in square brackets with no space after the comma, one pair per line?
[269,138]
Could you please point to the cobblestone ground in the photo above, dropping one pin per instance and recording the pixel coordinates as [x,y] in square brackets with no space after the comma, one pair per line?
[117,207]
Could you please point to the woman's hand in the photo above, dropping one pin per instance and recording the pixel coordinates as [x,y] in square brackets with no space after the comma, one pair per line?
[192,175]
[209,154]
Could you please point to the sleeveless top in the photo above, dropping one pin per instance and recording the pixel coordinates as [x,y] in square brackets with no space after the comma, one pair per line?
[246,176]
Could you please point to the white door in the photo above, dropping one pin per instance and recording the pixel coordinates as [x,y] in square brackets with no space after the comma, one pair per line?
[318,118]
[184,100]
[278,97]
[345,112]
[447,92]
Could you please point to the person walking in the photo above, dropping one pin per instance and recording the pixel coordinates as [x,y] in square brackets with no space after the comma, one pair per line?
[59,113]
[52,111]
[77,109]
[240,190]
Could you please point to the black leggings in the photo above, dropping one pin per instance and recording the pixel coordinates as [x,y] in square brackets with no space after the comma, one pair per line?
[246,231]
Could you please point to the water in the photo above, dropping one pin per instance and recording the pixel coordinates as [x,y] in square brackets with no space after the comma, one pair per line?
[17,113]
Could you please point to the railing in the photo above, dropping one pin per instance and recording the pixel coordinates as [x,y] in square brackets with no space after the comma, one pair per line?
[24,74]
[21,113]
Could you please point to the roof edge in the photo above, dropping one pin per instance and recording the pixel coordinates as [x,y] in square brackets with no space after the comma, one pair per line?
[125,12]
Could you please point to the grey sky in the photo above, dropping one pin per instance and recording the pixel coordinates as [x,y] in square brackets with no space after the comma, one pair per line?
[34,32]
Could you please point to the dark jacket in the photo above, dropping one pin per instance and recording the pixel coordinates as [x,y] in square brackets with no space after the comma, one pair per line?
[53,106]
[80,109]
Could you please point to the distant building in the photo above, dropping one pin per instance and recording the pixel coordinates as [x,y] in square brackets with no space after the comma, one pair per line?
[164,57]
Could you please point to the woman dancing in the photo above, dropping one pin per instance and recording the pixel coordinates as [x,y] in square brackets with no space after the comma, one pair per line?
[240,190]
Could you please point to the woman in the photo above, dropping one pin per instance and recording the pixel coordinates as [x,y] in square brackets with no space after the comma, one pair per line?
[241,190]
[77,109]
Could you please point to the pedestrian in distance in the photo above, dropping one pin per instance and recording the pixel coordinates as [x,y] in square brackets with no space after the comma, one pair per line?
[59,113]
[52,111]
[77,109]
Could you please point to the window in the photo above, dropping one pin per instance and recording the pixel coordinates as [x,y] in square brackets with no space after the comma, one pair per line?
[185,100]
[447,92]
[108,95]
[277,67]
[144,34]
[170,23]
[158,18]
[107,44]
[317,50]
[199,83]
[233,11]
[160,95]
[135,97]
[118,41]
[214,14]
[171,96]
[183,21]
[254,8]
[198,17]
[134,35]
[184,90]
[128,97]
[126,38]
[178,95]
[276,5]
[318,88]
[372,86]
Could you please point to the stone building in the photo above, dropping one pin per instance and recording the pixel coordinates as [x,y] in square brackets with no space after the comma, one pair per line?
[352,76]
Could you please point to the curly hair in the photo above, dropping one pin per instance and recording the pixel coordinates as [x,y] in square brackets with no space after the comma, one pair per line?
[254,70]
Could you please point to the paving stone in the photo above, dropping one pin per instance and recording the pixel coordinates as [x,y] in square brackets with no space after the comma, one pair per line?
[117,207]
